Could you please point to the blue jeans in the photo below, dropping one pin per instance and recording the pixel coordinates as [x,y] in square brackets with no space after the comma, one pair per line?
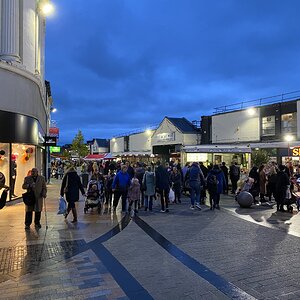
[195,190]
[148,200]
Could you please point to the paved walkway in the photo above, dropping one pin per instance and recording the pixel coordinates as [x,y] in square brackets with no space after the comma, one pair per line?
[184,254]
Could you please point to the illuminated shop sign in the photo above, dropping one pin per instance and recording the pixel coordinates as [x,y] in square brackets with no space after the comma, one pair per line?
[296,151]
[166,137]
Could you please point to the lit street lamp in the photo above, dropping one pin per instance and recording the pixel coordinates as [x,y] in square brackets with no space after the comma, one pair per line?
[45,7]
[288,138]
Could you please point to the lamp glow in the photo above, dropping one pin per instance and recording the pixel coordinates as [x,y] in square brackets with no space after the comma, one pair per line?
[148,131]
[288,138]
[46,8]
[251,111]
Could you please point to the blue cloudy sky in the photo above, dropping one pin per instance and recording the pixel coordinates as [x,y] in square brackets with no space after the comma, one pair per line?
[118,65]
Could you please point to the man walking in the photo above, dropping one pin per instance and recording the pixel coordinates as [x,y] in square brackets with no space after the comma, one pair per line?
[196,182]
[120,187]
[225,171]
[37,183]
[163,184]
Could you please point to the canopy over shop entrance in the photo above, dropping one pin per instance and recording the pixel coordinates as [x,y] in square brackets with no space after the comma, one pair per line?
[95,157]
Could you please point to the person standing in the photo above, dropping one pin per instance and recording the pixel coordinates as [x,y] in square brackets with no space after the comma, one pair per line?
[262,183]
[176,184]
[120,187]
[225,172]
[282,185]
[163,184]
[234,173]
[134,194]
[148,184]
[70,186]
[196,181]
[37,184]
[140,171]
[215,183]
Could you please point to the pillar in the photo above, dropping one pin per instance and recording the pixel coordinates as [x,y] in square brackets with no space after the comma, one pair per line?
[9,47]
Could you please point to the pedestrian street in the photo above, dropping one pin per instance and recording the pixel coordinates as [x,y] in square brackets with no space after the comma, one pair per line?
[184,254]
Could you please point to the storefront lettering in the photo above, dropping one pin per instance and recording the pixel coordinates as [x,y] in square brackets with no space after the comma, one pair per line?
[163,137]
[296,151]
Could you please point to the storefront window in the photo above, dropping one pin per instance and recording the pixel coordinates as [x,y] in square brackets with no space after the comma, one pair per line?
[4,166]
[289,123]
[22,161]
[268,126]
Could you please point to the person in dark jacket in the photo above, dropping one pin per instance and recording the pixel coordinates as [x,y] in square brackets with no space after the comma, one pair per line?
[139,172]
[271,186]
[215,184]
[176,184]
[225,172]
[162,186]
[203,189]
[234,173]
[130,170]
[120,187]
[70,186]
[281,187]
[196,182]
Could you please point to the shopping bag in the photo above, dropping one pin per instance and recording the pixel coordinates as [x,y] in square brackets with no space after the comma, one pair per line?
[171,195]
[62,209]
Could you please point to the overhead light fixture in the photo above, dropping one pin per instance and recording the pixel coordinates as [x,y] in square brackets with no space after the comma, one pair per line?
[53,109]
[251,111]
[289,138]
[45,7]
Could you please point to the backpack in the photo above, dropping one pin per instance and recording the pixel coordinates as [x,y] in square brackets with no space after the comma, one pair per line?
[235,171]
[212,182]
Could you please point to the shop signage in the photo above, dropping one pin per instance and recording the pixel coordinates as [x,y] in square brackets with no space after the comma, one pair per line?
[296,151]
[50,141]
[54,132]
[166,137]
[54,149]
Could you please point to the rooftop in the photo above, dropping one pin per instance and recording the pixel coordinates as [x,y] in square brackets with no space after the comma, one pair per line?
[258,102]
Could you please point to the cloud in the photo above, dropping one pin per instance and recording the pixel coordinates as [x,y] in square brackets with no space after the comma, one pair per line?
[117,65]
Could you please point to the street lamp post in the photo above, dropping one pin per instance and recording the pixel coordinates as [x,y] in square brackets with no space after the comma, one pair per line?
[288,138]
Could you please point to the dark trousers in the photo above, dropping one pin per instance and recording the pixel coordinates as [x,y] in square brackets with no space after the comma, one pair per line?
[28,218]
[177,192]
[108,197]
[234,184]
[117,195]
[164,198]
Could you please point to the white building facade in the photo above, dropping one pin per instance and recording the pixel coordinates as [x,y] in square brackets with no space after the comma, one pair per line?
[24,104]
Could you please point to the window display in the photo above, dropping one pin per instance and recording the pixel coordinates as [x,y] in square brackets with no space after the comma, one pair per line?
[4,166]
[22,161]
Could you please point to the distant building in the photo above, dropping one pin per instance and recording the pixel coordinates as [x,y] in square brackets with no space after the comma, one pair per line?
[98,146]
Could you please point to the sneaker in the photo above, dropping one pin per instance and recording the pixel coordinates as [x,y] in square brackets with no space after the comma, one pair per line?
[192,207]
[198,206]
[162,211]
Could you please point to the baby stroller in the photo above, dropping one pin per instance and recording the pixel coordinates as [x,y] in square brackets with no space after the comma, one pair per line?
[295,192]
[94,196]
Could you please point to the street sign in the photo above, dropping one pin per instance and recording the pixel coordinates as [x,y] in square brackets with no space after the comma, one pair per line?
[50,141]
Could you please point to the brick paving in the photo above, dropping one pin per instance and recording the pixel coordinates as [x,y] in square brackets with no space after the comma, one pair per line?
[256,250]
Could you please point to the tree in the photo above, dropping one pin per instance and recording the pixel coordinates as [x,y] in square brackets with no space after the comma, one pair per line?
[259,157]
[78,145]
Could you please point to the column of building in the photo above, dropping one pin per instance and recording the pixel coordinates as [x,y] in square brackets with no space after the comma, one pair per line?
[9,47]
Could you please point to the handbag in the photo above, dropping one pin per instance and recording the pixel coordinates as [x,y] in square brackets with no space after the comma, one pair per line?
[3,199]
[29,198]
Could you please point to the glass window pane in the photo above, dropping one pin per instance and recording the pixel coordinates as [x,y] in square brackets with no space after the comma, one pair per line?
[268,126]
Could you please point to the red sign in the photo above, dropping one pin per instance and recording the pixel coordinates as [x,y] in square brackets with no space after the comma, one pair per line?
[54,132]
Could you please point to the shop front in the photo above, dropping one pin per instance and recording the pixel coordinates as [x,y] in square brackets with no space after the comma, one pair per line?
[216,154]
[19,151]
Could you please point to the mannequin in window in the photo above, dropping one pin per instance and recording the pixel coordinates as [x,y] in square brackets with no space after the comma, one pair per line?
[13,174]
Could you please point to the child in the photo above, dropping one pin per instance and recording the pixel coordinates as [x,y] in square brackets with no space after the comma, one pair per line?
[134,194]
[93,192]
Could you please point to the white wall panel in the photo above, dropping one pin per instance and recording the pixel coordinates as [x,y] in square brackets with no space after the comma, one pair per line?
[236,127]
[140,142]
[117,145]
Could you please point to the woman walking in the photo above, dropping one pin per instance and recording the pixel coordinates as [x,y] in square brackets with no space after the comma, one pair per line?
[176,184]
[149,188]
[70,186]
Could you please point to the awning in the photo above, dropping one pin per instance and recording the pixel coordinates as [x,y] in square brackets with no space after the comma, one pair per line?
[216,149]
[101,156]
[95,156]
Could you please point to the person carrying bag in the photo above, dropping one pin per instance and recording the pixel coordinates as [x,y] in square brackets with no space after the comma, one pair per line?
[36,191]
